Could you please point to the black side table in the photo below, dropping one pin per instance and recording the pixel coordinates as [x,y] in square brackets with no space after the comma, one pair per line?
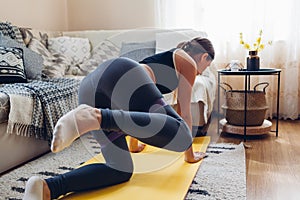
[247,77]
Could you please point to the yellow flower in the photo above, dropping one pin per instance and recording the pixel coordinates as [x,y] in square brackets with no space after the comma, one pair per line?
[262,46]
[247,46]
[258,40]
[257,45]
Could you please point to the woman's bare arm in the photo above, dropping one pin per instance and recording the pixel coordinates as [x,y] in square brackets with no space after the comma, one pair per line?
[187,70]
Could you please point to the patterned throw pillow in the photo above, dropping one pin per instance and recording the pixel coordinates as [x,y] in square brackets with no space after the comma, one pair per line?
[104,51]
[26,35]
[76,49]
[33,62]
[11,65]
[54,66]
[7,29]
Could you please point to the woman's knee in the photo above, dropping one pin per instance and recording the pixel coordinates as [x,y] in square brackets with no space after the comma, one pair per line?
[124,176]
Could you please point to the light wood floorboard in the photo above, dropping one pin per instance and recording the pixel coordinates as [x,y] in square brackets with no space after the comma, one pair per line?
[273,163]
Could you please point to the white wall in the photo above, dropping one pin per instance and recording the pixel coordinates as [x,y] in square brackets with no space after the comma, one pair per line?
[38,14]
[78,14]
[110,14]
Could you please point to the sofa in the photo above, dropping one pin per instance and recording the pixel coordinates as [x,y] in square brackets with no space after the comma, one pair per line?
[65,57]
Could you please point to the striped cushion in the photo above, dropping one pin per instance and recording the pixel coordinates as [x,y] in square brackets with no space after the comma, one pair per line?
[7,29]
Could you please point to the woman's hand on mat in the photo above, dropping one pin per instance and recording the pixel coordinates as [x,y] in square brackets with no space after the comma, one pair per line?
[193,157]
[135,146]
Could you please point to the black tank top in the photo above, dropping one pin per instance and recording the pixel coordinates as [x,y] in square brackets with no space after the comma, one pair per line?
[164,70]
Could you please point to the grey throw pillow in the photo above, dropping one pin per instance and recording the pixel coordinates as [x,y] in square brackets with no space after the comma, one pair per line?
[137,50]
[33,62]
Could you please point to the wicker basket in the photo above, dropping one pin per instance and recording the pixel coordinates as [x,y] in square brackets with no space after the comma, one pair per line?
[256,106]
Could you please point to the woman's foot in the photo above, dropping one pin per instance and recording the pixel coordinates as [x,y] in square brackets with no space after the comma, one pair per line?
[135,146]
[36,189]
[196,158]
[72,125]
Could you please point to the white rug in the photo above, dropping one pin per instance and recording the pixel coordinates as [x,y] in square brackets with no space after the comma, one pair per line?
[222,175]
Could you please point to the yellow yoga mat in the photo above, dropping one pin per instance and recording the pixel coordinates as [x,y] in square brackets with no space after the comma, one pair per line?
[168,179]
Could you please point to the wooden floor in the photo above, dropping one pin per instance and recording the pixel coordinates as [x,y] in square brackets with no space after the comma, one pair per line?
[273,163]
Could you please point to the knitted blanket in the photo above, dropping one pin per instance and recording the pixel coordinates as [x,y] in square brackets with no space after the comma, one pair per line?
[35,107]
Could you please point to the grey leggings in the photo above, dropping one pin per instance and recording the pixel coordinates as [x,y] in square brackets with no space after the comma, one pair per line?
[132,105]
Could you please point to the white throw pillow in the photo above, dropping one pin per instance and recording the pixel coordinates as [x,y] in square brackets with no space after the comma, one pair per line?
[76,49]
[106,50]
[169,40]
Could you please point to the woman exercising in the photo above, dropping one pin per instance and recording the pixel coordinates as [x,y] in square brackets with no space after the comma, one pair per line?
[124,98]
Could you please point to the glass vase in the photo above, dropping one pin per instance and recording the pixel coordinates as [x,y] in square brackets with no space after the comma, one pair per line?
[253,61]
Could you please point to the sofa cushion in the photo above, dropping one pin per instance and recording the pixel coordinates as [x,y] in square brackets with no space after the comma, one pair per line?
[32,61]
[11,65]
[137,50]
[168,40]
[95,36]
[76,49]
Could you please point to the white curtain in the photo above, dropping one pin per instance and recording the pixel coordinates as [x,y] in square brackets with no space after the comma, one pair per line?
[225,20]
